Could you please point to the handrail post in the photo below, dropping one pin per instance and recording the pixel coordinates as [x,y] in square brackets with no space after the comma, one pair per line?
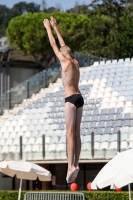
[119,141]
[43,146]
[92,144]
[10,104]
[21,148]
[44,82]
[28,88]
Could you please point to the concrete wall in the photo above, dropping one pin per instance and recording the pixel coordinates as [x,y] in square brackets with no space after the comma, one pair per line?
[5,182]
[18,75]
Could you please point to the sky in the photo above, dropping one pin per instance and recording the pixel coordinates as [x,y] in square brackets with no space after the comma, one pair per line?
[65,4]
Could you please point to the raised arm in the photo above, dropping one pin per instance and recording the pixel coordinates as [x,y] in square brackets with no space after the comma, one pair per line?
[54,25]
[52,40]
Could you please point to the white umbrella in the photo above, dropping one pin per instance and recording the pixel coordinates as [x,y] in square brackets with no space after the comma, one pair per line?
[24,170]
[117,172]
[125,176]
[109,172]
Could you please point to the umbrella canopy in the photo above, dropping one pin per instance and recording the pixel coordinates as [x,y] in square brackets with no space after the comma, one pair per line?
[125,175]
[110,171]
[24,170]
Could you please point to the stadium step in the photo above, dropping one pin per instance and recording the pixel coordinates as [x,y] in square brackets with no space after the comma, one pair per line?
[34,97]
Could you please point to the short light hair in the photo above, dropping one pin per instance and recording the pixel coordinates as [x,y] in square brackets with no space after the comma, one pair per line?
[66,50]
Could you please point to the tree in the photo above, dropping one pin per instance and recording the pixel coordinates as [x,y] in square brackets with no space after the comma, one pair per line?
[27,33]
[97,37]
[93,33]
[52,9]
[33,7]
[22,8]
[111,8]
[84,9]
[4,11]
[119,11]
[78,9]
[43,5]
[59,7]
[125,35]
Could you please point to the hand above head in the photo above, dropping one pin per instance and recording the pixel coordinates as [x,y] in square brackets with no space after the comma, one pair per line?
[46,23]
[53,22]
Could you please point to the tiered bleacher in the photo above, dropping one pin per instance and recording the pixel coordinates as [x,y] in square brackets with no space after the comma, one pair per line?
[108,114]
[29,87]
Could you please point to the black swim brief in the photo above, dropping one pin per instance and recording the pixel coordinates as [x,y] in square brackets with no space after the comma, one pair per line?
[75,99]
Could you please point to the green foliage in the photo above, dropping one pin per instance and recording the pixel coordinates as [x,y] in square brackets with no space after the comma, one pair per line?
[10,195]
[94,195]
[106,195]
[78,9]
[94,34]
[117,41]
[6,14]
[23,7]
[125,37]
[104,28]
[27,32]
[96,37]
[52,9]
[4,11]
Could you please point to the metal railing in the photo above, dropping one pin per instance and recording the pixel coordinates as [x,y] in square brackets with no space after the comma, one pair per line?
[26,89]
[22,91]
[86,59]
[43,152]
[54,196]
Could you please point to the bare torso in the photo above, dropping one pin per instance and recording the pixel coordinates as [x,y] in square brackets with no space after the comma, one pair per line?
[70,76]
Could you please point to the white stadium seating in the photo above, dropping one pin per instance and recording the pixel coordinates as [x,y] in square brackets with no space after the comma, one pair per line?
[107,89]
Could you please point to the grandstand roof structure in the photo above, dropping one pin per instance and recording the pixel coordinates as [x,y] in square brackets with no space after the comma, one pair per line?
[14,54]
